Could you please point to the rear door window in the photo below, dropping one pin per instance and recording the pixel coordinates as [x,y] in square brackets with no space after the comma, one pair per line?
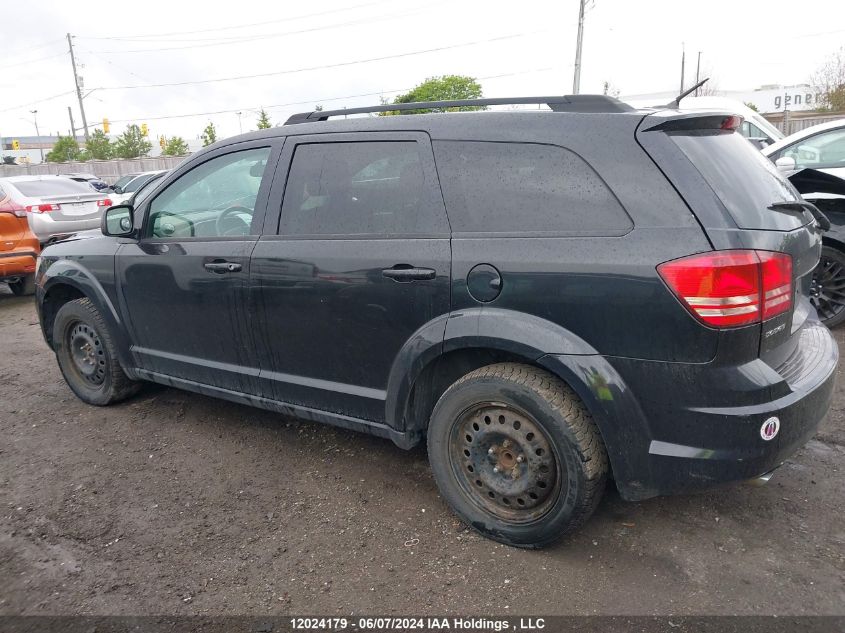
[524,189]
[745,181]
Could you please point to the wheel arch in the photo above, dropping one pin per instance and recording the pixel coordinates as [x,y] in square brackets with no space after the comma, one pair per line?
[474,338]
[66,281]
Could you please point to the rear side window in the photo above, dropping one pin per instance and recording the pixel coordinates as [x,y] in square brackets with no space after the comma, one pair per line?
[359,188]
[745,181]
[524,188]
[57,187]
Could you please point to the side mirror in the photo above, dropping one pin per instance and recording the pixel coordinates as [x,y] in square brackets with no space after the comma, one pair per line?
[785,163]
[118,221]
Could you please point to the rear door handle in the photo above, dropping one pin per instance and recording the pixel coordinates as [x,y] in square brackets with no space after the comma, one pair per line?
[406,272]
[221,267]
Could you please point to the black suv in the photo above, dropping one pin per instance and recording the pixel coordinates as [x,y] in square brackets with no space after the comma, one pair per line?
[550,298]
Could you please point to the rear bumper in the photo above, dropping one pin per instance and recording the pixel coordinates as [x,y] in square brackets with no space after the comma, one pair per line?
[16,264]
[45,227]
[679,427]
[695,440]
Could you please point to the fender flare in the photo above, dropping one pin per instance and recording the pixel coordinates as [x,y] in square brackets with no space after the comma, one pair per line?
[70,273]
[517,333]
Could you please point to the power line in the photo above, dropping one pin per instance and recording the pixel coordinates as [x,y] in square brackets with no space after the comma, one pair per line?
[24,105]
[317,100]
[31,61]
[248,39]
[243,26]
[327,66]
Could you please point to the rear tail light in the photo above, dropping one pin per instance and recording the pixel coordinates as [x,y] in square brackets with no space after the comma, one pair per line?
[14,208]
[104,203]
[731,288]
[42,208]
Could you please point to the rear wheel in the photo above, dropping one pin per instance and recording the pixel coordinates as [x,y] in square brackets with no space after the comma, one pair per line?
[24,286]
[516,454]
[87,355]
[827,290]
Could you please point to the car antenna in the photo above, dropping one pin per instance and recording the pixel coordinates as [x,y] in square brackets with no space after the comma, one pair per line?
[677,101]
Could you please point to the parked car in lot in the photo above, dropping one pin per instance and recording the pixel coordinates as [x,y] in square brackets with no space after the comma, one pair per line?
[19,248]
[123,192]
[571,294]
[56,205]
[96,182]
[145,189]
[802,156]
[819,147]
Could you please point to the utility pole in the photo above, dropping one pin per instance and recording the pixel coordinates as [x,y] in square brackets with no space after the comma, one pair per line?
[34,114]
[697,72]
[78,89]
[576,80]
[683,60]
[72,126]
[240,126]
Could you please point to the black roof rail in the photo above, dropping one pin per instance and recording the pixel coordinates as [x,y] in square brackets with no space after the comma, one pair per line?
[563,103]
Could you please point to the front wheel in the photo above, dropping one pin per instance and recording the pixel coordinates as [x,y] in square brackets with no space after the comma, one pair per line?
[516,454]
[87,355]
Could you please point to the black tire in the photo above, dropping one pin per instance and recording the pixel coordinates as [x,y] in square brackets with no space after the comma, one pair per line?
[827,291]
[475,455]
[87,355]
[24,286]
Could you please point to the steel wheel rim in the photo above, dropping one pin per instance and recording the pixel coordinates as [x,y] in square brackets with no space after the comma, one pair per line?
[827,289]
[87,354]
[505,462]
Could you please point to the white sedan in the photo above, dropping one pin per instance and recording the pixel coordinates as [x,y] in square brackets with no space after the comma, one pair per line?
[819,147]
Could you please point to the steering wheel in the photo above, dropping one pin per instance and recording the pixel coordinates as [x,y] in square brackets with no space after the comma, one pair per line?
[234,217]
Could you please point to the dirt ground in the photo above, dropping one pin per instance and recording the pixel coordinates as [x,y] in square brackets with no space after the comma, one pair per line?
[174,503]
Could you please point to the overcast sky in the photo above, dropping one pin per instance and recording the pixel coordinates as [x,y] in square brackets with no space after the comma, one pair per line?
[514,48]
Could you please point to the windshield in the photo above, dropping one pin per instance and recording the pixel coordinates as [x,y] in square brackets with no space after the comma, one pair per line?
[145,190]
[57,187]
[138,183]
[746,182]
[124,179]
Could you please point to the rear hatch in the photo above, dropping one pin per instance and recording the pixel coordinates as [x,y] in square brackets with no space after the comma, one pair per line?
[72,200]
[743,203]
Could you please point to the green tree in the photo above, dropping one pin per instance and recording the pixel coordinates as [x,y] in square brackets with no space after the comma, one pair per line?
[209,135]
[9,160]
[446,87]
[131,144]
[263,120]
[751,106]
[175,146]
[65,149]
[98,147]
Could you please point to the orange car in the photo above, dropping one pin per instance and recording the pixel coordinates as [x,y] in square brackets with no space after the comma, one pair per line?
[18,247]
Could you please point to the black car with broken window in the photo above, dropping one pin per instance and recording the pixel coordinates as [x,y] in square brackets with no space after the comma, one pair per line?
[548,298]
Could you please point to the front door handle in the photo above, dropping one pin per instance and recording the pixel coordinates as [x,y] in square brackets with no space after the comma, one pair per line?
[406,272]
[221,267]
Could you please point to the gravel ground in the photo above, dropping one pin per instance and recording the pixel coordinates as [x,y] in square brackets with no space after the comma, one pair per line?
[174,503]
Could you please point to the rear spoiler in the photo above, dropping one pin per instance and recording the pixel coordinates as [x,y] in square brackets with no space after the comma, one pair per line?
[675,121]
